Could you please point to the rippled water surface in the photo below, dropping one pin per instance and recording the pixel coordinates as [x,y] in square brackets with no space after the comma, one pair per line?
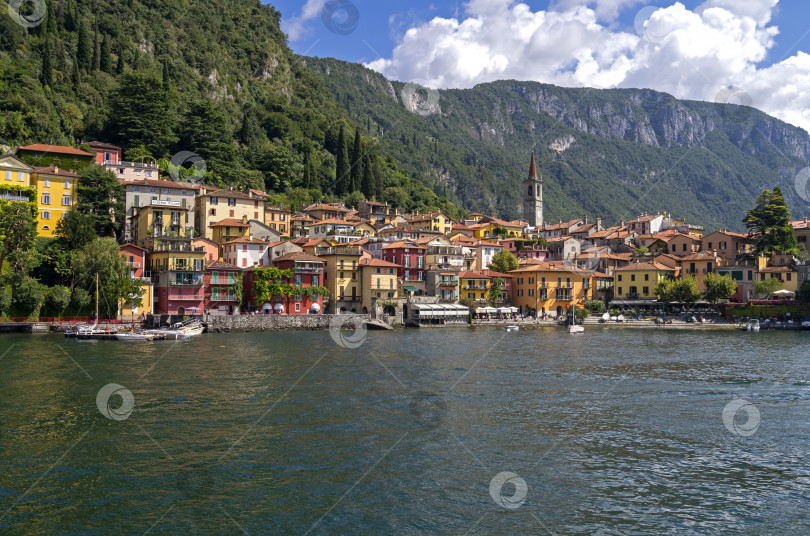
[415,432]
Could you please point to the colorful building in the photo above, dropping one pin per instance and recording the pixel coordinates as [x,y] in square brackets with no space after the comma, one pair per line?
[136,258]
[56,196]
[700,264]
[411,259]
[214,205]
[278,218]
[229,229]
[379,282]
[221,288]
[178,270]
[307,281]
[637,281]
[246,252]
[342,277]
[158,193]
[550,288]
[474,285]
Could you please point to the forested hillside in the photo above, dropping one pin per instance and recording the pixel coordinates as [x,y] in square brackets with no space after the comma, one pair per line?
[214,77]
[614,153]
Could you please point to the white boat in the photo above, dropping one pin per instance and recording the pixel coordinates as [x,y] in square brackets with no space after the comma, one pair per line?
[574,327]
[753,325]
[180,331]
[135,336]
[512,327]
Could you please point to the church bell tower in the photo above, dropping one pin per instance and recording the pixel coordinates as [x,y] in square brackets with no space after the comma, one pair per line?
[533,197]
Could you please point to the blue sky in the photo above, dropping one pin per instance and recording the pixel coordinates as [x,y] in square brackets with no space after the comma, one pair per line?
[692,49]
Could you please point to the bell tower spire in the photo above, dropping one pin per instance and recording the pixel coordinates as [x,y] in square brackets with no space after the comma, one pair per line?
[533,196]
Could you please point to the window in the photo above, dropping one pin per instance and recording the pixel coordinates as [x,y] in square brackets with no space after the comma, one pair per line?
[231,202]
[148,173]
[620,277]
[531,281]
[531,292]
[788,276]
[297,307]
[520,292]
[46,215]
[64,215]
[46,182]
[620,291]
[214,201]
[244,261]
[137,201]
[646,290]
[137,172]
[684,247]
[281,217]
[646,277]
[21,176]
[256,204]
[46,198]
[298,280]
[315,281]
[232,214]
[66,201]
[632,277]
[213,212]
[8,174]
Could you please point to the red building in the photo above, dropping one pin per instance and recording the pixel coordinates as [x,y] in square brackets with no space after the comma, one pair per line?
[136,259]
[411,259]
[220,287]
[106,153]
[307,272]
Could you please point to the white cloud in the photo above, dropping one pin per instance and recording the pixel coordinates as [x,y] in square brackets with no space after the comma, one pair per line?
[691,54]
[296,27]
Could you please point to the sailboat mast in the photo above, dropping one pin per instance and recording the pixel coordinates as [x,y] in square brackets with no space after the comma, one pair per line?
[97,298]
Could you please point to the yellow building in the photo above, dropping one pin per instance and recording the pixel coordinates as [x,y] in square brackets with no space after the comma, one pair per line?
[433,221]
[14,172]
[278,218]
[128,311]
[216,205]
[56,196]
[229,229]
[637,281]
[474,285]
[157,221]
[551,288]
[700,264]
[787,275]
[342,278]
[380,282]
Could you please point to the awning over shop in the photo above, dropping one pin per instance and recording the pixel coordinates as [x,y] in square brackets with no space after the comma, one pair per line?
[409,288]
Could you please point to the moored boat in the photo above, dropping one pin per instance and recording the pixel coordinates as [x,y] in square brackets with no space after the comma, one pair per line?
[135,336]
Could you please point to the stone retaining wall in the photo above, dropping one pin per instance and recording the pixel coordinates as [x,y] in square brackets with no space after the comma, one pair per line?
[253,323]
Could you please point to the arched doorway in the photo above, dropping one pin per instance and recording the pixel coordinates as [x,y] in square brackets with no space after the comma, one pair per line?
[365,310]
[181,311]
[390,310]
[559,311]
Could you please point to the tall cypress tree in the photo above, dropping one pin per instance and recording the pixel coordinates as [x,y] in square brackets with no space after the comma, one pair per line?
[166,80]
[76,76]
[307,182]
[342,170]
[368,187]
[313,173]
[357,163]
[47,61]
[83,48]
[119,67]
[378,180]
[96,50]
[106,61]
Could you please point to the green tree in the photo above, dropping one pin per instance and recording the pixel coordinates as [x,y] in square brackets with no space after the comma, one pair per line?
[494,294]
[84,48]
[270,282]
[356,162]
[280,166]
[719,287]
[106,63]
[27,295]
[595,306]
[103,257]
[763,289]
[101,197]
[18,233]
[80,298]
[47,62]
[342,165]
[804,291]
[663,290]
[769,223]
[206,130]
[5,299]
[58,298]
[504,262]
[378,180]
[143,115]
[368,186]
[96,50]
[353,199]
[685,290]
[75,230]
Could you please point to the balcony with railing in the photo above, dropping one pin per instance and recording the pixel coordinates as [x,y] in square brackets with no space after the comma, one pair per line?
[176,247]
[186,297]
[7,196]
[302,269]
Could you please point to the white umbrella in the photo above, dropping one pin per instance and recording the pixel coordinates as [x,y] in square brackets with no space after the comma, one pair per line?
[606,316]
[279,307]
[267,307]
[783,292]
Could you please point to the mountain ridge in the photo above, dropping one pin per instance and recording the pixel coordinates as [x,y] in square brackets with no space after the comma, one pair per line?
[712,159]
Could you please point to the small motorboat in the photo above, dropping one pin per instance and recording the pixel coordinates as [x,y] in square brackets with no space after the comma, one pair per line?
[753,325]
[135,336]
[576,328]
[512,327]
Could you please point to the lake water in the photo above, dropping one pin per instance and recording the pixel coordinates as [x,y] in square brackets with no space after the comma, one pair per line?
[432,431]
